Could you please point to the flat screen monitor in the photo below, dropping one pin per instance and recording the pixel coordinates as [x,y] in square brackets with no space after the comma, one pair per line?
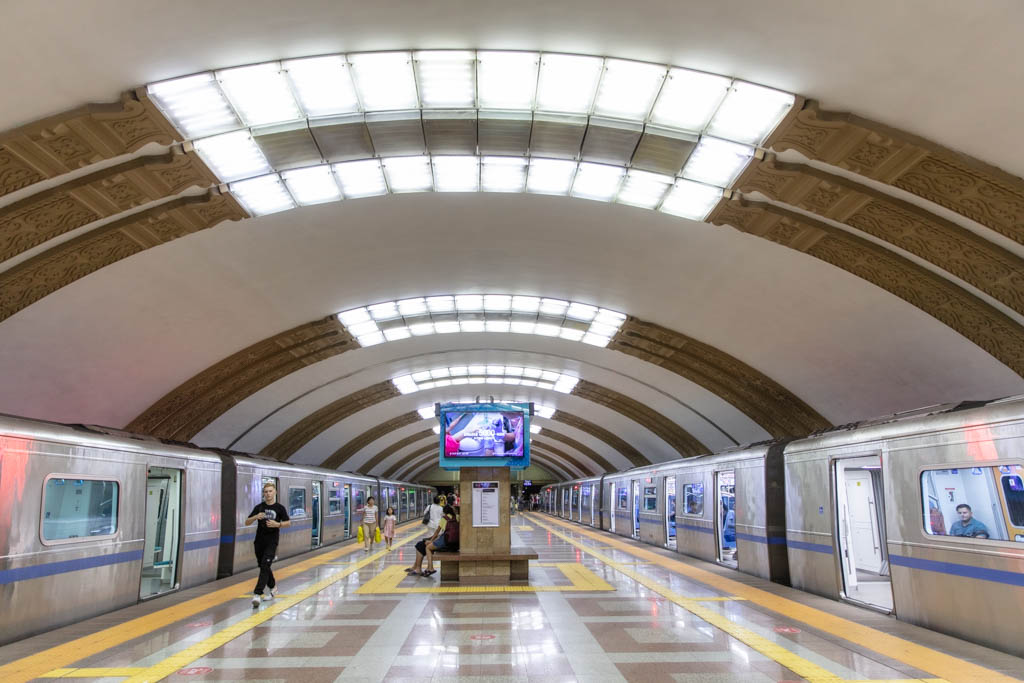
[485,435]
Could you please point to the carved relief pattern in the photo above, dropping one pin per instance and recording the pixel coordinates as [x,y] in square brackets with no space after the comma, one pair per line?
[387,452]
[633,455]
[974,319]
[31,281]
[667,430]
[69,148]
[970,187]
[581,470]
[305,430]
[582,448]
[369,436]
[34,224]
[757,396]
[15,174]
[401,464]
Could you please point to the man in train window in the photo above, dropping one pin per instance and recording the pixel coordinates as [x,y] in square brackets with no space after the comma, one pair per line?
[270,517]
[967,525]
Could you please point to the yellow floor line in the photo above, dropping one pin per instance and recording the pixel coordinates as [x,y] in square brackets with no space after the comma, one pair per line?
[920,657]
[34,666]
[387,583]
[108,672]
[182,659]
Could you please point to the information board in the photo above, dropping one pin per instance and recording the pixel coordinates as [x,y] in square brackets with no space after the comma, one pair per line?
[486,508]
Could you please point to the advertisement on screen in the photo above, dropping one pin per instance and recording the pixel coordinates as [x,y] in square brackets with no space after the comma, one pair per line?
[485,435]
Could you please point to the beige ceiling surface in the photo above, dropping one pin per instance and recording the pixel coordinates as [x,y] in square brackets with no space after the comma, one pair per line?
[107,346]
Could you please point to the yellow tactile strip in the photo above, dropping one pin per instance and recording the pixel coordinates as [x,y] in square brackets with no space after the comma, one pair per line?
[387,582]
[60,656]
[950,668]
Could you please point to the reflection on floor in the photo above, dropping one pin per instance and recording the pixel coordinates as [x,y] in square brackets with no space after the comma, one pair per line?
[608,613]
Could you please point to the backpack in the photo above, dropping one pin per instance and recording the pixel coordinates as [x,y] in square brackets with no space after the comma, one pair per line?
[451,533]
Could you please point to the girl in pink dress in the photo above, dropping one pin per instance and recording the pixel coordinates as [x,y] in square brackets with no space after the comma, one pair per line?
[387,530]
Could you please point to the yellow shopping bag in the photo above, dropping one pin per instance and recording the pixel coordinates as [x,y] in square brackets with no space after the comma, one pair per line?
[359,533]
[376,535]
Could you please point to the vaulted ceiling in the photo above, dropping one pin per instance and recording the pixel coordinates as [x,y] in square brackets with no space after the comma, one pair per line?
[865,258]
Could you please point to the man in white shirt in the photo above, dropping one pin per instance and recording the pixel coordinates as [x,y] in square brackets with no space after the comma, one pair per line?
[433,514]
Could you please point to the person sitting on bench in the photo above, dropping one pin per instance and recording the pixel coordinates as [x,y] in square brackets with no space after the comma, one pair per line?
[447,541]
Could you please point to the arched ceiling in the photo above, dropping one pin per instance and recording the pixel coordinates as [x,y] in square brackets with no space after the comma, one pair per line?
[856,269]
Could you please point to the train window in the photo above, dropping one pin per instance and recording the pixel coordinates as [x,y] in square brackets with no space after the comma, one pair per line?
[297,501]
[693,499]
[360,498]
[650,498]
[985,503]
[623,496]
[334,501]
[75,508]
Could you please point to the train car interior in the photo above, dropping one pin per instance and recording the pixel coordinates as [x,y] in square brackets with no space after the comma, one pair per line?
[860,523]
[725,520]
[669,486]
[163,531]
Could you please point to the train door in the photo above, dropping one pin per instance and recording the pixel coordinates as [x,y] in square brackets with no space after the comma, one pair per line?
[403,506]
[592,493]
[611,504]
[670,511]
[725,520]
[860,523]
[635,488]
[586,509]
[317,516]
[348,510]
[574,510]
[163,531]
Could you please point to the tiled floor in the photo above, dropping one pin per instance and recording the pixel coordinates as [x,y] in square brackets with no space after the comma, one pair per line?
[657,623]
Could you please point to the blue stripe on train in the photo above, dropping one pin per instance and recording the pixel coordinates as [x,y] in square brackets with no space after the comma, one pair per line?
[694,527]
[813,547]
[967,571]
[40,570]
[769,540]
[199,545]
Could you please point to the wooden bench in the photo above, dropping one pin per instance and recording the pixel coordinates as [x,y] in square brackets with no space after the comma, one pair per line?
[518,559]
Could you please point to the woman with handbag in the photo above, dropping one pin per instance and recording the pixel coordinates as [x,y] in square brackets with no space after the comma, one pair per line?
[432,518]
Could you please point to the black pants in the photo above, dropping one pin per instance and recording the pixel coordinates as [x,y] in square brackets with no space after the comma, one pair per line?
[265,553]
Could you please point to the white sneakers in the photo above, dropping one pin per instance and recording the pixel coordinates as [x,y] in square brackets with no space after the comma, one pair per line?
[269,595]
[255,601]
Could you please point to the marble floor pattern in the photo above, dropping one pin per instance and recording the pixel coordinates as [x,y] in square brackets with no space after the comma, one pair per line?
[630,634]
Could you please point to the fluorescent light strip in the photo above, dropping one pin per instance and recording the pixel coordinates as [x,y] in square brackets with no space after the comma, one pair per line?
[442,377]
[278,92]
[494,313]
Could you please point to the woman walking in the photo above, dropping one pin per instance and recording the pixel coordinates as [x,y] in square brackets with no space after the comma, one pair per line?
[369,523]
[387,530]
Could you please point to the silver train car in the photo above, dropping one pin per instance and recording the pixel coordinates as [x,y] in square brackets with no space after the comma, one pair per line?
[919,514]
[95,519]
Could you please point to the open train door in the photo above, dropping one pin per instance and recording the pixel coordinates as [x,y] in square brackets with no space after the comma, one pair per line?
[860,531]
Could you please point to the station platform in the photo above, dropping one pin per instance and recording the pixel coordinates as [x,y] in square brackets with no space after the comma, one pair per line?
[597,608]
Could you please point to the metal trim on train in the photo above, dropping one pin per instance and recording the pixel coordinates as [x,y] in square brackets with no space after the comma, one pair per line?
[100,519]
[871,513]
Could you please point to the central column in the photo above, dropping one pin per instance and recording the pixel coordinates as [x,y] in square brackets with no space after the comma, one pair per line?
[485,540]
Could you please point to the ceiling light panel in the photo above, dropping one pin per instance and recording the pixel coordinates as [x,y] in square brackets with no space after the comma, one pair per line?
[568,83]
[503,174]
[597,182]
[717,162]
[195,104]
[479,374]
[426,412]
[688,99]
[644,189]
[408,174]
[691,200]
[323,85]
[384,80]
[361,178]
[260,94]
[750,113]
[507,80]
[233,156]
[550,176]
[456,173]
[446,78]
[628,89]
[312,185]
[263,195]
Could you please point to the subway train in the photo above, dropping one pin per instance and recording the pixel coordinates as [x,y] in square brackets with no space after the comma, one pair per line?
[918,514]
[96,519]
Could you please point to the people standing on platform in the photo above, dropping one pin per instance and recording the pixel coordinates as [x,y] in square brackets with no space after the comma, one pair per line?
[270,517]
[369,523]
[387,529]
[432,518]
[447,539]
